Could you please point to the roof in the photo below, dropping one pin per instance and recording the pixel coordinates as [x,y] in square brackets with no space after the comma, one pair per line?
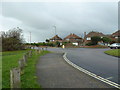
[56,37]
[117,33]
[93,33]
[72,35]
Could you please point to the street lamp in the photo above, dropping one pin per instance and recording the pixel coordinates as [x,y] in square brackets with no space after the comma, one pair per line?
[55,29]
[30,37]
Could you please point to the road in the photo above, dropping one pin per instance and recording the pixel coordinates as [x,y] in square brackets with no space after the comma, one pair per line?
[93,60]
[54,72]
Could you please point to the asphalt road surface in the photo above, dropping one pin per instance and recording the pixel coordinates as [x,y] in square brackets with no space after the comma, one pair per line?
[93,60]
[54,72]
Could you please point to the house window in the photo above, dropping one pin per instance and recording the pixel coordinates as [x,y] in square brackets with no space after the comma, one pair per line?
[116,37]
[75,44]
[88,38]
[67,39]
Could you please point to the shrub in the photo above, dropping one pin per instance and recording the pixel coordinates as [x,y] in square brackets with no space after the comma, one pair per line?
[95,40]
[12,40]
[89,44]
[106,40]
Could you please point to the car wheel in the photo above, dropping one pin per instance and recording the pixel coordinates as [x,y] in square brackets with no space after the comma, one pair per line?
[111,47]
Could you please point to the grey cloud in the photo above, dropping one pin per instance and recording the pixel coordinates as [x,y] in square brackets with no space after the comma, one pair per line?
[68,17]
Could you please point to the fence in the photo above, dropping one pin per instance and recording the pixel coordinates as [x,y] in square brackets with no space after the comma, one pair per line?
[15,73]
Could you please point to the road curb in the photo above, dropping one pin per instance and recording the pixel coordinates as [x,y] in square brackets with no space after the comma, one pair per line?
[91,74]
[112,55]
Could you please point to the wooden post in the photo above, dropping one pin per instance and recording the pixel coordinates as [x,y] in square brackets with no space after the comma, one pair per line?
[21,64]
[36,51]
[27,55]
[15,78]
[24,60]
[39,51]
[46,48]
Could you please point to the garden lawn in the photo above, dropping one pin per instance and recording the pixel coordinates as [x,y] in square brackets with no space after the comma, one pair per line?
[114,52]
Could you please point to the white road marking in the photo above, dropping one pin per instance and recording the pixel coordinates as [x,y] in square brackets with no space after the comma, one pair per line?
[91,74]
[109,78]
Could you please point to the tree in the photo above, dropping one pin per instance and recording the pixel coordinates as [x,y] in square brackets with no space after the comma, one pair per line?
[106,40]
[47,40]
[95,40]
[57,43]
[12,40]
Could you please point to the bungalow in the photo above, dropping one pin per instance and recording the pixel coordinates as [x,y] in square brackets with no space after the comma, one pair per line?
[87,38]
[74,39]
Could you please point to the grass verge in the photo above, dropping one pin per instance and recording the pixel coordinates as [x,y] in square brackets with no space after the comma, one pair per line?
[96,46]
[29,79]
[114,52]
[10,60]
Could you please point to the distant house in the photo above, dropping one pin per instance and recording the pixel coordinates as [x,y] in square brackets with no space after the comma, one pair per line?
[55,38]
[116,35]
[87,38]
[74,39]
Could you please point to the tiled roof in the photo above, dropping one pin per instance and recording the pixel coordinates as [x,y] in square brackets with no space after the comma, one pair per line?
[72,36]
[117,33]
[56,37]
[93,33]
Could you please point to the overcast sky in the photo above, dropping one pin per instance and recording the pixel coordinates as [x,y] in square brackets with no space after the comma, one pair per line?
[76,17]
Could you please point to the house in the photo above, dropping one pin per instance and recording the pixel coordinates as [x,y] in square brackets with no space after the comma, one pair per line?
[74,39]
[87,38]
[56,38]
[116,35]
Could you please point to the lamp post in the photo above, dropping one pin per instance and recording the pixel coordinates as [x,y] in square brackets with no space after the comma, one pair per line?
[30,39]
[55,29]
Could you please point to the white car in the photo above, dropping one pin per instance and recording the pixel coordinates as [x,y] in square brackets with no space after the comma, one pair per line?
[115,46]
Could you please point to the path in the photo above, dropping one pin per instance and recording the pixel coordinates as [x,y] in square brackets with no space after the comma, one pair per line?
[54,72]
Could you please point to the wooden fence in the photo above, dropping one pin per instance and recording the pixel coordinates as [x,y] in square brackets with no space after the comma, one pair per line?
[15,73]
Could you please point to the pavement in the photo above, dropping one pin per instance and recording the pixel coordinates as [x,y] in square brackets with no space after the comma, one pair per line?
[54,72]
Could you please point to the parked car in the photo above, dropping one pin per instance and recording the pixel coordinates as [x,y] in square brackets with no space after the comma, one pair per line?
[115,46]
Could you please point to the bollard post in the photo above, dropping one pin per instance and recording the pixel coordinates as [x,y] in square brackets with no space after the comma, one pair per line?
[39,51]
[46,48]
[24,60]
[21,64]
[30,53]
[27,55]
[36,51]
[15,78]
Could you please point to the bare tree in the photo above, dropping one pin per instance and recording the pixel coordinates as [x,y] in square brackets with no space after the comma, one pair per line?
[12,39]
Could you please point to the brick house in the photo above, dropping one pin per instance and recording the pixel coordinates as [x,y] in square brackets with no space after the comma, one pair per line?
[55,38]
[74,39]
[116,36]
[87,38]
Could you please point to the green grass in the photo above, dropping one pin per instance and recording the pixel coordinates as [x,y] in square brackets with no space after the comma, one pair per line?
[10,60]
[0,70]
[115,52]
[29,79]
